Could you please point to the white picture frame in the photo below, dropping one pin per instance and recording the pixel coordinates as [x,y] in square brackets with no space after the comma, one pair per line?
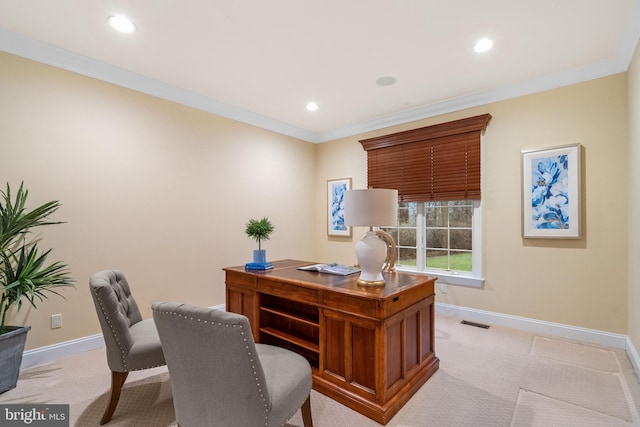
[335,207]
[551,206]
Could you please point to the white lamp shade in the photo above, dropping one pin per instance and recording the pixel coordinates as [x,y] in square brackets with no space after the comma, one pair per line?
[374,207]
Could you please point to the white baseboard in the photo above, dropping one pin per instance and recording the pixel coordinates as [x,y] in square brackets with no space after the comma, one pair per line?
[592,336]
[52,353]
[633,355]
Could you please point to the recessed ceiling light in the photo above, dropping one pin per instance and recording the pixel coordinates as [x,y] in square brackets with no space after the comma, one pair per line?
[121,23]
[312,106]
[483,45]
[386,81]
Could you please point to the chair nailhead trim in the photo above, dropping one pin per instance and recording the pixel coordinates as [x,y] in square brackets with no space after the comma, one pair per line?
[113,331]
[251,359]
[115,337]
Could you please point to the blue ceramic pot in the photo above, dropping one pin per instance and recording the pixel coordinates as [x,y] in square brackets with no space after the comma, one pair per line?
[260,256]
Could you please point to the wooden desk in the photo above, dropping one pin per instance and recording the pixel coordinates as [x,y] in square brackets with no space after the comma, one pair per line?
[370,349]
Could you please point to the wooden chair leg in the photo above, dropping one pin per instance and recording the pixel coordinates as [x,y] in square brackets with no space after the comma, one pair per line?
[117,381]
[306,413]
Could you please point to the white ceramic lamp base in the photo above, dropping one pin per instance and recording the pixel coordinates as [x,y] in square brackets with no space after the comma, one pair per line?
[371,253]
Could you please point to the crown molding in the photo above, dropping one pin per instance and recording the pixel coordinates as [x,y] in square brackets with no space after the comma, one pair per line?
[35,50]
[547,82]
[23,46]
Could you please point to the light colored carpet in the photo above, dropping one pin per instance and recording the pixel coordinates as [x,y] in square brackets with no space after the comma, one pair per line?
[487,377]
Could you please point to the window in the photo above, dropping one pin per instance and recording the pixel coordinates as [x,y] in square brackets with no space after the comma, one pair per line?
[440,238]
[436,170]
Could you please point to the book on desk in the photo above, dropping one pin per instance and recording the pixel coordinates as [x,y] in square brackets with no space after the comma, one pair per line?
[258,266]
[333,268]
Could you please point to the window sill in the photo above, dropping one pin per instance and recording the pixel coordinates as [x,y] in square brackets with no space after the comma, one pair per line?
[449,278]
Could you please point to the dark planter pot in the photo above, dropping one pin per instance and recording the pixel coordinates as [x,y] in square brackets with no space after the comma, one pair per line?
[11,349]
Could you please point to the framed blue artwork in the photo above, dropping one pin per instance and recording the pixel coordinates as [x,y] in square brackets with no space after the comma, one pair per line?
[551,193]
[335,207]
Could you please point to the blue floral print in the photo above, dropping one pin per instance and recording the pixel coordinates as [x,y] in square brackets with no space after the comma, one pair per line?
[549,192]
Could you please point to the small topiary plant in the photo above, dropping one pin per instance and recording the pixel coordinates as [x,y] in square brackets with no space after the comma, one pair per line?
[259,230]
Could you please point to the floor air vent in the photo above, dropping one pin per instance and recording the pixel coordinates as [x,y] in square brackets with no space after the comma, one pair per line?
[477,325]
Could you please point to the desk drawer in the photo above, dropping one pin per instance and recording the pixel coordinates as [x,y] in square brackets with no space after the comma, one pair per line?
[352,304]
[240,279]
[289,291]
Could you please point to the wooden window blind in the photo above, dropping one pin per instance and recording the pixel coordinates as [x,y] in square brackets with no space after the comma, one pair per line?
[433,163]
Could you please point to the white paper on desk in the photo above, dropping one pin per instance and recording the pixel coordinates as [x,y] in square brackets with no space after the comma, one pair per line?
[340,270]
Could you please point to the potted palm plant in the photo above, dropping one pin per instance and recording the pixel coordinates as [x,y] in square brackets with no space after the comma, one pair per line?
[259,230]
[24,274]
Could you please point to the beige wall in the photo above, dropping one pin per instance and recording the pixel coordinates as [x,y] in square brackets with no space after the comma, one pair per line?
[163,191]
[634,200]
[575,282]
[156,189]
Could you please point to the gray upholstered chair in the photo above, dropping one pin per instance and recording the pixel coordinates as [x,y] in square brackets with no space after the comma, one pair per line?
[131,343]
[221,377]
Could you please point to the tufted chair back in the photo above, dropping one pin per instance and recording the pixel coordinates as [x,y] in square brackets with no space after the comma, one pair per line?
[131,342]
[117,312]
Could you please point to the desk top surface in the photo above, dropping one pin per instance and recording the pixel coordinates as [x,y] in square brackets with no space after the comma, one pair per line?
[287,271]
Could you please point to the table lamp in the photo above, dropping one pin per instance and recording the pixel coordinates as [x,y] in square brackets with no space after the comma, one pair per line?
[375,207]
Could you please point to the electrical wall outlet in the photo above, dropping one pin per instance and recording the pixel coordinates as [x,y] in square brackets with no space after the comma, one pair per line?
[56,321]
[443,288]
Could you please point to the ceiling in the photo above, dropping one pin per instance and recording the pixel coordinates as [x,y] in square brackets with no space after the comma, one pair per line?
[261,61]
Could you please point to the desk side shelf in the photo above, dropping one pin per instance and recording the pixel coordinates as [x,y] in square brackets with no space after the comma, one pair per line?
[291,339]
[290,324]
